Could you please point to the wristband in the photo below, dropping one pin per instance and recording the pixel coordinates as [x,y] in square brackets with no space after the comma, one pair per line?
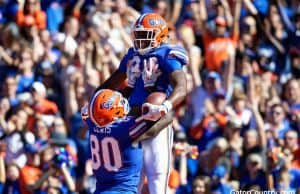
[168,105]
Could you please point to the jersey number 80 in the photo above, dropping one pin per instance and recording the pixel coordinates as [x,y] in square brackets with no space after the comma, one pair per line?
[108,151]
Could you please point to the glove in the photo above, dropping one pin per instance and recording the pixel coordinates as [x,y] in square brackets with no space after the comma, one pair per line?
[151,72]
[153,112]
[84,112]
[133,72]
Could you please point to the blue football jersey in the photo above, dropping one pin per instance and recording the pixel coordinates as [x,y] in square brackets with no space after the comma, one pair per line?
[169,58]
[116,161]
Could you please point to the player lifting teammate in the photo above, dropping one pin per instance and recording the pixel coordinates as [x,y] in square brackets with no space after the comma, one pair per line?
[153,65]
[116,157]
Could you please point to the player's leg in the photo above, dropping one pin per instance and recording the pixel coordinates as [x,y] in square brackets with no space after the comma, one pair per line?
[142,180]
[157,158]
[114,192]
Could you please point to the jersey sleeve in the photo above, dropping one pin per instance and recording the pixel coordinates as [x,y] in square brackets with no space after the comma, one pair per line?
[89,123]
[176,58]
[139,129]
[125,59]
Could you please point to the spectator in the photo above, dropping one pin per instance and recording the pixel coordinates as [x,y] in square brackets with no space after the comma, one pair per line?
[215,155]
[188,38]
[41,104]
[31,172]
[280,180]
[26,77]
[278,124]
[211,84]
[250,145]
[55,16]
[291,143]
[201,185]
[217,45]
[232,134]
[66,39]
[12,182]
[255,176]
[291,94]
[4,108]
[41,130]
[213,122]
[10,90]
[239,107]
[30,14]
[17,137]
[219,180]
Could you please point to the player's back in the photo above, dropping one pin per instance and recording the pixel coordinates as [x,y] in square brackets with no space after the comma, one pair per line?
[116,162]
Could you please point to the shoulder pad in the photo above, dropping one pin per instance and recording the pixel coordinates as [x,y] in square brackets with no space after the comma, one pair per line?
[178,52]
[131,51]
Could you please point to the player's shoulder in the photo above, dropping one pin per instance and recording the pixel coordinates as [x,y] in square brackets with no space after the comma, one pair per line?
[178,52]
[175,52]
[122,122]
[131,51]
[90,123]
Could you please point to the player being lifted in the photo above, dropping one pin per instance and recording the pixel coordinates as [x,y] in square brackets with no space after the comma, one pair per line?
[116,157]
[153,65]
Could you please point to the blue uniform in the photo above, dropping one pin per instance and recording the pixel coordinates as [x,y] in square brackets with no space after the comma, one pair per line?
[170,58]
[116,161]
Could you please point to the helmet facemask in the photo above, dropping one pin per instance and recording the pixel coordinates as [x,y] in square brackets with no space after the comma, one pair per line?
[145,39]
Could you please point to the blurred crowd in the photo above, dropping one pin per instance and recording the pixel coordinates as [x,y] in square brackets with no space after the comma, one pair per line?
[238,128]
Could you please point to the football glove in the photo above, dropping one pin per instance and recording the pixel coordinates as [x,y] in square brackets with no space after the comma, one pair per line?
[153,112]
[151,72]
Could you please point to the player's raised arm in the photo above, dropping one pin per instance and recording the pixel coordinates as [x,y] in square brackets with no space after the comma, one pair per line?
[175,59]
[114,81]
[178,82]
[120,75]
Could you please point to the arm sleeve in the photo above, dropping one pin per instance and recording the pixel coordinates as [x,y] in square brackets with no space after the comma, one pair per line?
[88,122]
[172,65]
[139,129]
[125,59]
[176,58]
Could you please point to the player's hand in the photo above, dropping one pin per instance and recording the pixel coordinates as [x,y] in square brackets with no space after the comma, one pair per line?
[84,112]
[152,112]
[133,72]
[151,72]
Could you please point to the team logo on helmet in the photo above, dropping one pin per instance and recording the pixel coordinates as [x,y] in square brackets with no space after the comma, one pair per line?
[106,106]
[156,22]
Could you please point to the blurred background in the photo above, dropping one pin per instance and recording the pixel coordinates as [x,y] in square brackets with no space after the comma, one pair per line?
[238,128]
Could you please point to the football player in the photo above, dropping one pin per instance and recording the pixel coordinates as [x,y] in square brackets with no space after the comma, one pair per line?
[116,156]
[153,65]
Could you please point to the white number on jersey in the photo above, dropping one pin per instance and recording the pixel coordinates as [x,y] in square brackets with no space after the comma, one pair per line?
[110,153]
